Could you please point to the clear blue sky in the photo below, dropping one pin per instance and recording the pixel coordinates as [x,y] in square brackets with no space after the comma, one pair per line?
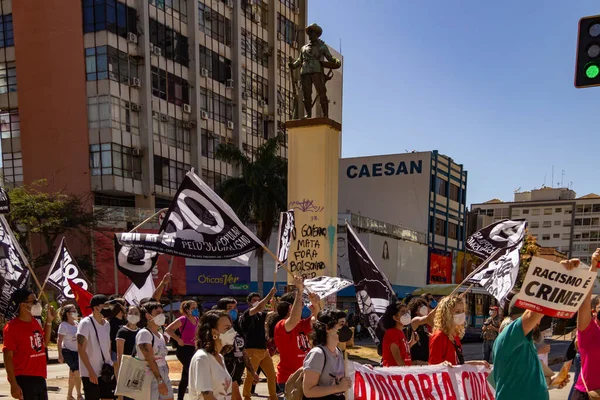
[489,84]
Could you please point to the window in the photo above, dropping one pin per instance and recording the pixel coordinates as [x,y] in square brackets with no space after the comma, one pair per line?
[176,8]
[579,208]
[439,226]
[255,123]
[253,9]
[441,186]
[595,208]
[545,237]
[547,211]
[282,63]
[212,178]
[586,221]
[287,28]
[210,142]
[12,168]
[547,224]
[285,102]
[114,159]
[566,236]
[587,208]
[112,112]
[454,192]
[525,212]
[535,224]
[102,62]
[567,223]
[214,24]
[255,85]
[173,45]
[219,67]
[536,211]
[170,87]
[111,15]
[169,173]
[292,4]
[556,223]
[585,235]
[218,107]
[7,37]
[558,210]
[556,236]
[8,77]
[516,212]
[594,235]
[452,230]
[595,221]
[172,133]
[255,48]
[10,124]
[568,211]
[99,112]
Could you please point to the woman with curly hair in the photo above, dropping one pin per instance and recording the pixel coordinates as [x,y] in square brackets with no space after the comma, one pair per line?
[209,379]
[449,328]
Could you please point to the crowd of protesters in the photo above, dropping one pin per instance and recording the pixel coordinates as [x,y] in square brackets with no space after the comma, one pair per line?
[222,352]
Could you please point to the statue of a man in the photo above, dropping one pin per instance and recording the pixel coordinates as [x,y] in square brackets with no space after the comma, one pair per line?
[312,61]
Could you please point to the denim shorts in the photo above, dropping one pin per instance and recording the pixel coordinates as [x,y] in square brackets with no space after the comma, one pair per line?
[164,373]
[71,359]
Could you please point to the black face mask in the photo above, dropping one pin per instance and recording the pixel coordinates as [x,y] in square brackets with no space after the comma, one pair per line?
[107,312]
[345,334]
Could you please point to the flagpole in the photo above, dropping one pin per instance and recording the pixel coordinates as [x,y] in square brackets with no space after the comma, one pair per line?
[148,219]
[53,263]
[478,269]
[277,262]
[171,296]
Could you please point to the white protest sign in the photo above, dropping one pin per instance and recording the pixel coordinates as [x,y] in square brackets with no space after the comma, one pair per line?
[552,290]
[434,382]
[325,286]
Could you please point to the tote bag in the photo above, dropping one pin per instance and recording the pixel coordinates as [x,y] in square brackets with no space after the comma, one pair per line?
[134,379]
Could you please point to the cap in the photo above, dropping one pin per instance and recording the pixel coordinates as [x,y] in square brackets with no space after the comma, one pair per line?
[21,295]
[98,300]
[513,309]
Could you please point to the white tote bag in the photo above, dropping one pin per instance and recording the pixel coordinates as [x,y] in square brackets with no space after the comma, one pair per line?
[134,379]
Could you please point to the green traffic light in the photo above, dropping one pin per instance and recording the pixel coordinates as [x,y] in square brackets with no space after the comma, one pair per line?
[592,71]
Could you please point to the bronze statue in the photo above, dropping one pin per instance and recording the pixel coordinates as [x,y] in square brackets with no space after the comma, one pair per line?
[312,61]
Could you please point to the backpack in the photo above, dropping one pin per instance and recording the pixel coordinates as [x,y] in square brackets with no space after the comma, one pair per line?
[293,387]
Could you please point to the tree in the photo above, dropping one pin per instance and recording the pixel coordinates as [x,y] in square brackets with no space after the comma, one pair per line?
[37,211]
[529,249]
[259,194]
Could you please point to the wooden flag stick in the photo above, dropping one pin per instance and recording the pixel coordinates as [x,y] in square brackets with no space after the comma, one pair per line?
[277,262]
[463,294]
[478,269]
[138,226]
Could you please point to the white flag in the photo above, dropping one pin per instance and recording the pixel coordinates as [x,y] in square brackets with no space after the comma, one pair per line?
[133,295]
[325,286]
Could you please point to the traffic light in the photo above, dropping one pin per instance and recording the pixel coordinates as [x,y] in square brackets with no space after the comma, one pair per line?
[587,68]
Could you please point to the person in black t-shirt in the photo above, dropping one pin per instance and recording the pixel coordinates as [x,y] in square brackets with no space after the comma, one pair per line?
[421,324]
[116,319]
[252,323]
[125,338]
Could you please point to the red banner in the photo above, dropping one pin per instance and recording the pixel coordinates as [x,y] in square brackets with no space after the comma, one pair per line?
[105,267]
[440,268]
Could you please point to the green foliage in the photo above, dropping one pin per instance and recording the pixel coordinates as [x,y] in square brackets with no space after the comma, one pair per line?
[529,249]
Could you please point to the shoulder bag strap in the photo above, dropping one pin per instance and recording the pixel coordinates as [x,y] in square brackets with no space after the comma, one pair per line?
[97,337]
[324,358]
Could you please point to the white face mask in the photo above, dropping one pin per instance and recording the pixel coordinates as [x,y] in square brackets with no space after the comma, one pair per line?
[160,319]
[36,310]
[252,305]
[75,315]
[423,310]
[228,337]
[133,319]
[459,319]
[405,319]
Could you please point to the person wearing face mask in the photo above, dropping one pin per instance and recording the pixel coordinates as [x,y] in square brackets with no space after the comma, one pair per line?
[151,346]
[421,324]
[116,318]
[209,379]
[93,348]
[183,332]
[490,330]
[126,338]
[449,328]
[395,348]
[67,348]
[236,357]
[25,344]
[518,371]
[252,324]
[324,376]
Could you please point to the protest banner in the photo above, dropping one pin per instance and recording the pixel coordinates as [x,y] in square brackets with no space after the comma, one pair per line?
[552,290]
[421,383]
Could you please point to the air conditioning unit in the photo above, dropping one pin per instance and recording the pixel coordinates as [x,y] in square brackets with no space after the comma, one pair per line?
[204,72]
[296,10]
[262,103]
[245,96]
[136,107]
[137,152]
[295,45]
[164,118]
[229,84]
[230,3]
[203,114]
[132,37]
[279,36]
[135,82]
[187,124]
[229,124]
[157,51]
[187,108]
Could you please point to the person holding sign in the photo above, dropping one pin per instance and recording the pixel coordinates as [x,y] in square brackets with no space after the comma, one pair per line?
[518,371]
[588,342]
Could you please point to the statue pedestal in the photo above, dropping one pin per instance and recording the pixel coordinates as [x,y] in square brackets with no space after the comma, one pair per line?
[313,163]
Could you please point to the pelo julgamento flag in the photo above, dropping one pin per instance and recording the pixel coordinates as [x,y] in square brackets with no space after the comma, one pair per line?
[199,224]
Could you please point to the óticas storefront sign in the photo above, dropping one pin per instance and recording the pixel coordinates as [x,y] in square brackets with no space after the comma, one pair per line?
[217,280]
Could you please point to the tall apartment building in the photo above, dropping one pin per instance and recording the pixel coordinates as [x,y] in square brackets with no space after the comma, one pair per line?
[120,98]
[556,216]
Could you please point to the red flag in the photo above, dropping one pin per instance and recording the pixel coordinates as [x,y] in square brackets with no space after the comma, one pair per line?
[83,298]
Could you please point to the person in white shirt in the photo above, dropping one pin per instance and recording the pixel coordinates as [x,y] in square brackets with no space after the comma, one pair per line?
[151,346]
[67,348]
[209,379]
[93,346]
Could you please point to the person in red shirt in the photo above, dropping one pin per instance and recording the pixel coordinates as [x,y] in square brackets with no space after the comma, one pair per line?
[290,331]
[449,328]
[25,347]
[396,349]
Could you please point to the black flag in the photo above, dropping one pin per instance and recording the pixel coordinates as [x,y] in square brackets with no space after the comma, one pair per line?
[135,263]
[285,235]
[373,290]
[4,202]
[199,224]
[63,268]
[13,268]
[499,235]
